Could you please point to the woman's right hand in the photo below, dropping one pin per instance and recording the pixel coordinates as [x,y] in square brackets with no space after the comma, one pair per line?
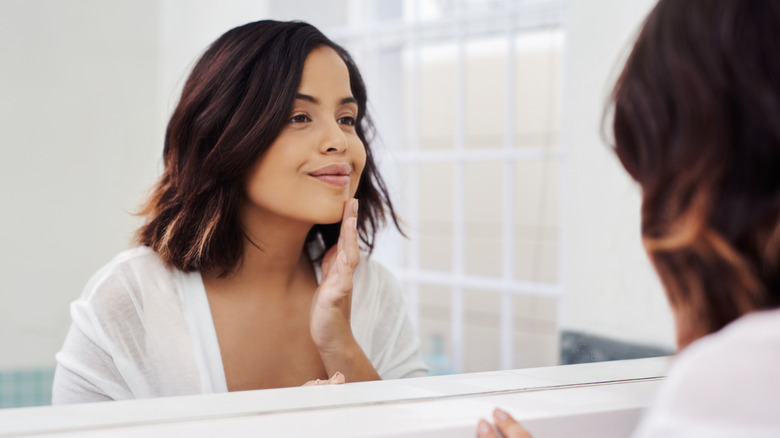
[505,424]
[331,308]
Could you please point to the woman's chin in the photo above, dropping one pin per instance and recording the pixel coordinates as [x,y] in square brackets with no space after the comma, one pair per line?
[327,213]
[329,219]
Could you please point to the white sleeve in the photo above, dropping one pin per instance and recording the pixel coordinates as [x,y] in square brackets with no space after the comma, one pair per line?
[724,385]
[381,323]
[85,372]
[86,369]
[128,338]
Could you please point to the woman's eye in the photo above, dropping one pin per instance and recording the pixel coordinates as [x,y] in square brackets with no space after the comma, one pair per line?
[348,120]
[299,118]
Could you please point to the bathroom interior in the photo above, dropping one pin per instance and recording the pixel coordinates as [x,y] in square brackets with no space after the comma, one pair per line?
[522,247]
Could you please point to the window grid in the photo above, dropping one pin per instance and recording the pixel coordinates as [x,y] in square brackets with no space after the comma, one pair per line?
[395,34]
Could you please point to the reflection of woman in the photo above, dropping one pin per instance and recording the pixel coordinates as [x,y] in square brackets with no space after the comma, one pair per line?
[697,125]
[249,274]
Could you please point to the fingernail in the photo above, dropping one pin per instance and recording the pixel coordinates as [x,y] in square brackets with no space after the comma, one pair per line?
[336,375]
[500,415]
[343,257]
[484,427]
[355,206]
[354,224]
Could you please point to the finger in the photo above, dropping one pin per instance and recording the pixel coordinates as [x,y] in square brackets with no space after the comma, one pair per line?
[351,208]
[485,430]
[317,382]
[351,248]
[508,426]
[337,282]
[337,378]
[327,260]
[348,212]
[348,236]
[345,271]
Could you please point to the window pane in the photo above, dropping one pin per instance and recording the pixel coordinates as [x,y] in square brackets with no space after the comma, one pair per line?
[484,189]
[482,330]
[486,93]
[538,82]
[436,216]
[435,328]
[437,95]
[536,220]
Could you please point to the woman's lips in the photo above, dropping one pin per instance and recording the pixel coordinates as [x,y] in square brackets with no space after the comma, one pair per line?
[334,174]
[336,180]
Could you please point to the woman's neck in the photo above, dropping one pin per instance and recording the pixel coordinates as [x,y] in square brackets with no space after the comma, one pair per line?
[274,253]
[275,257]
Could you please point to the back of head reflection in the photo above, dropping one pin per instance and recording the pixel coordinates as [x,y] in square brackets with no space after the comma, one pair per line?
[696,124]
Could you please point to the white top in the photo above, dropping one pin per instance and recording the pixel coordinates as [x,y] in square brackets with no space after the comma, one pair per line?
[724,385]
[142,330]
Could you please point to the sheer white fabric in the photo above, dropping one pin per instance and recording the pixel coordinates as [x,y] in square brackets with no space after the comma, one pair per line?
[142,330]
[724,385]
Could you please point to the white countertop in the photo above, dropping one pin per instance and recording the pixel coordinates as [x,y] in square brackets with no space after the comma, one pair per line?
[599,400]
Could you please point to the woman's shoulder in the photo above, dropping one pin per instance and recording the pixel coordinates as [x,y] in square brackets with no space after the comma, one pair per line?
[128,277]
[376,286]
[131,316]
[725,381]
[736,353]
[371,263]
[374,272]
[757,333]
[756,327]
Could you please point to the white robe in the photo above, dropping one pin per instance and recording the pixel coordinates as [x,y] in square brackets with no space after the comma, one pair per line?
[142,330]
[726,384]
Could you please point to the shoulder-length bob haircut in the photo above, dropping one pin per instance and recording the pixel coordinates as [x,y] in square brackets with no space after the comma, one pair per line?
[234,104]
[697,125]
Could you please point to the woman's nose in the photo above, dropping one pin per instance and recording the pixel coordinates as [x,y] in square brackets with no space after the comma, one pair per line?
[333,138]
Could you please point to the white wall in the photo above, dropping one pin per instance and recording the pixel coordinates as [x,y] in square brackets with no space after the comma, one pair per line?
[85,91]
[77,111]
[609,285]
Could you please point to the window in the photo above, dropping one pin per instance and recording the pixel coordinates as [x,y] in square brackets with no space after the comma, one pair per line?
[466,97]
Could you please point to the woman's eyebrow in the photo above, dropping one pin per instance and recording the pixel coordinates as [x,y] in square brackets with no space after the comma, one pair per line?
[306,97]
[314,100]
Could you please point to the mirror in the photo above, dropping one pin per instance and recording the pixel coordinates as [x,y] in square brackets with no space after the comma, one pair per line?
[524,231]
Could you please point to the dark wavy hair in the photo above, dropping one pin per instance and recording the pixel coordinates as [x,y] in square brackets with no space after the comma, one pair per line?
[697,125]
[234,104]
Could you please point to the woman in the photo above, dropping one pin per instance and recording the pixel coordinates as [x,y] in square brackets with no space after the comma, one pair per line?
[248,274]
[697,125]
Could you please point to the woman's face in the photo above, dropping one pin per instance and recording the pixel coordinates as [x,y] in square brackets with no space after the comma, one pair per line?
[315,163]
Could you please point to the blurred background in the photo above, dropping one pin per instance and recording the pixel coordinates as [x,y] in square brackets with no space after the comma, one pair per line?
[523,245]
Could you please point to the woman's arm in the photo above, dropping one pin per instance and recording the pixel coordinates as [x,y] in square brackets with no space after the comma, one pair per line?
[332,306]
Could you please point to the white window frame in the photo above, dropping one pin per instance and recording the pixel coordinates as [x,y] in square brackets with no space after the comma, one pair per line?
[370,35]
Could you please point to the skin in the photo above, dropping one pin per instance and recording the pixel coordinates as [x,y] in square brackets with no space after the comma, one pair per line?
[275,325]
[505,425]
